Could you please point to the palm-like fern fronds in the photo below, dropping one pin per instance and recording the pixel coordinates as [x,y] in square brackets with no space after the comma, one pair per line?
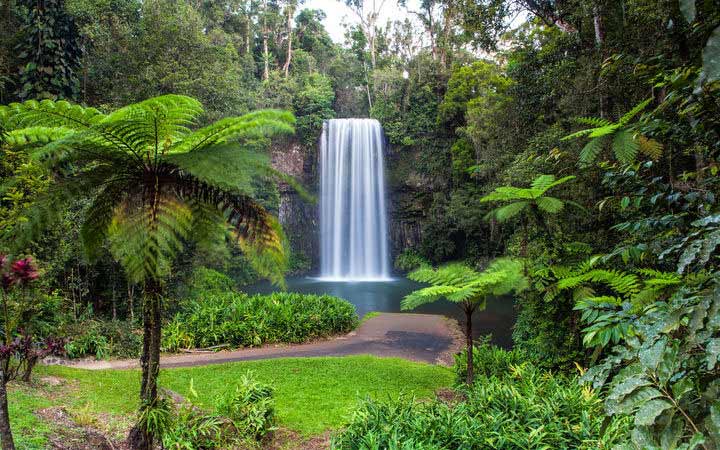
[459,283]
[146,169]
[624,140]
[524,198]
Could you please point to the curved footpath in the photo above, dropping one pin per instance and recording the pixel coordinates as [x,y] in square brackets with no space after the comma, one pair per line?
[417,337]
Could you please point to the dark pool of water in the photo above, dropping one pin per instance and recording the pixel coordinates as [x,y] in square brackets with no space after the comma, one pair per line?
[497,319]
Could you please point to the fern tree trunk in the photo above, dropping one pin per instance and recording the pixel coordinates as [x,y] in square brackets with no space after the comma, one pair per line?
[468,308]
[149,360]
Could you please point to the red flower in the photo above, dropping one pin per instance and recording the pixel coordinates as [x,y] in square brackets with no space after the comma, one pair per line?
[24,270]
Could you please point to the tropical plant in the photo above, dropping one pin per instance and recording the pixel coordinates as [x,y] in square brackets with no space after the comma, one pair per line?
[665,374]
[152,181]
[19,351]
[624,139]
[249,406]
[468,288]
[531,201]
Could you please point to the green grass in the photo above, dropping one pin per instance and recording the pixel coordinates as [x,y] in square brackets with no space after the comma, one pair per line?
[29,431]
[312,394]
[369,316]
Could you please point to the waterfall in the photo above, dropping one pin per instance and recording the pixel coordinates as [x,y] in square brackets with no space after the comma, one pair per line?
[353,221]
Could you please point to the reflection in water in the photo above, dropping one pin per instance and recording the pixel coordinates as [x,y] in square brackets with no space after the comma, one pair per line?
[385,296]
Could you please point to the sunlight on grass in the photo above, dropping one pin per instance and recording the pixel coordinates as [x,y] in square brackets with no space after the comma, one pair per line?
[312,394]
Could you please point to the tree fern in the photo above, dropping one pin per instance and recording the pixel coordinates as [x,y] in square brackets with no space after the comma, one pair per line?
[622,138]
[467,287]
[150,178]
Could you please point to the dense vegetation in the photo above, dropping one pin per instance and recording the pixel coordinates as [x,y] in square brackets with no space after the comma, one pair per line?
[520,407]
[239,320]
[579,139]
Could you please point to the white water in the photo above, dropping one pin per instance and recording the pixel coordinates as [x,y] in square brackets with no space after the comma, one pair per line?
[353,221]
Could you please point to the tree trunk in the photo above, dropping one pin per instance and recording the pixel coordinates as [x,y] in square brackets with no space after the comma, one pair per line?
[6,436]
[150,360]
[470,376]
[131,303]
[286,67]
[266,57]
[599,26]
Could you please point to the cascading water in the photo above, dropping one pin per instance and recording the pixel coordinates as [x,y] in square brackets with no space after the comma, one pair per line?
[353,221]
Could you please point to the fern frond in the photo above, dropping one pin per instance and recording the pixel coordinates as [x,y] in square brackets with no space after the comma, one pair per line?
[35,135]
[625,146]
[596,122]
[48,113]
[550,205]
[624,120]
[506,193]
[264,123]
[592,149]
[507,212]
[650,147]
[98,219]
[542,183]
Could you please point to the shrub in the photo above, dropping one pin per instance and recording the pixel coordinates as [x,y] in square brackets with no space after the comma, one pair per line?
[488,360]
[525,408]
[250,407]
[241,320]
[101,339]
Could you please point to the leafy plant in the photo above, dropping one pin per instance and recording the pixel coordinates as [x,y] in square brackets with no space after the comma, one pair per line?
[409,260]
[468,288]
[488,360]
[237,319]
[665,375]
[250,407]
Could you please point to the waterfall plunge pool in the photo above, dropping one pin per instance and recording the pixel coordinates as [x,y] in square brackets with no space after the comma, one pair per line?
[385,296]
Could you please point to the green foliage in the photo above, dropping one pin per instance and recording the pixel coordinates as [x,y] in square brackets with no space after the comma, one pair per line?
[409,260]
[49,52]
[532,198]
[665,374]
[626,142]
[488,360]
[313,105]
[147,222]
[250,407]
[216,318]
[502,411]
[462,284]
[101,339]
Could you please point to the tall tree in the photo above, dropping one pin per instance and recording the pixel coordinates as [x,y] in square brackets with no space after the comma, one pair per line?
[154,184]
[368,12]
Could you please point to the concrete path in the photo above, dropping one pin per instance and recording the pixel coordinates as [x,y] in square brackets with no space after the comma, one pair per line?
[417,337]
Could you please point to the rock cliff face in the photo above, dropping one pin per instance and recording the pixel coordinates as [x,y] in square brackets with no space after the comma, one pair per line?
[299,216]
[408,200]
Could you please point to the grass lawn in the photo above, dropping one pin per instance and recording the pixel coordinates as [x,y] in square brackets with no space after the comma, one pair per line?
[312,395]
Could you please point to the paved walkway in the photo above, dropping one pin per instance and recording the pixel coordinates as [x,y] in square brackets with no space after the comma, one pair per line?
[417,337]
